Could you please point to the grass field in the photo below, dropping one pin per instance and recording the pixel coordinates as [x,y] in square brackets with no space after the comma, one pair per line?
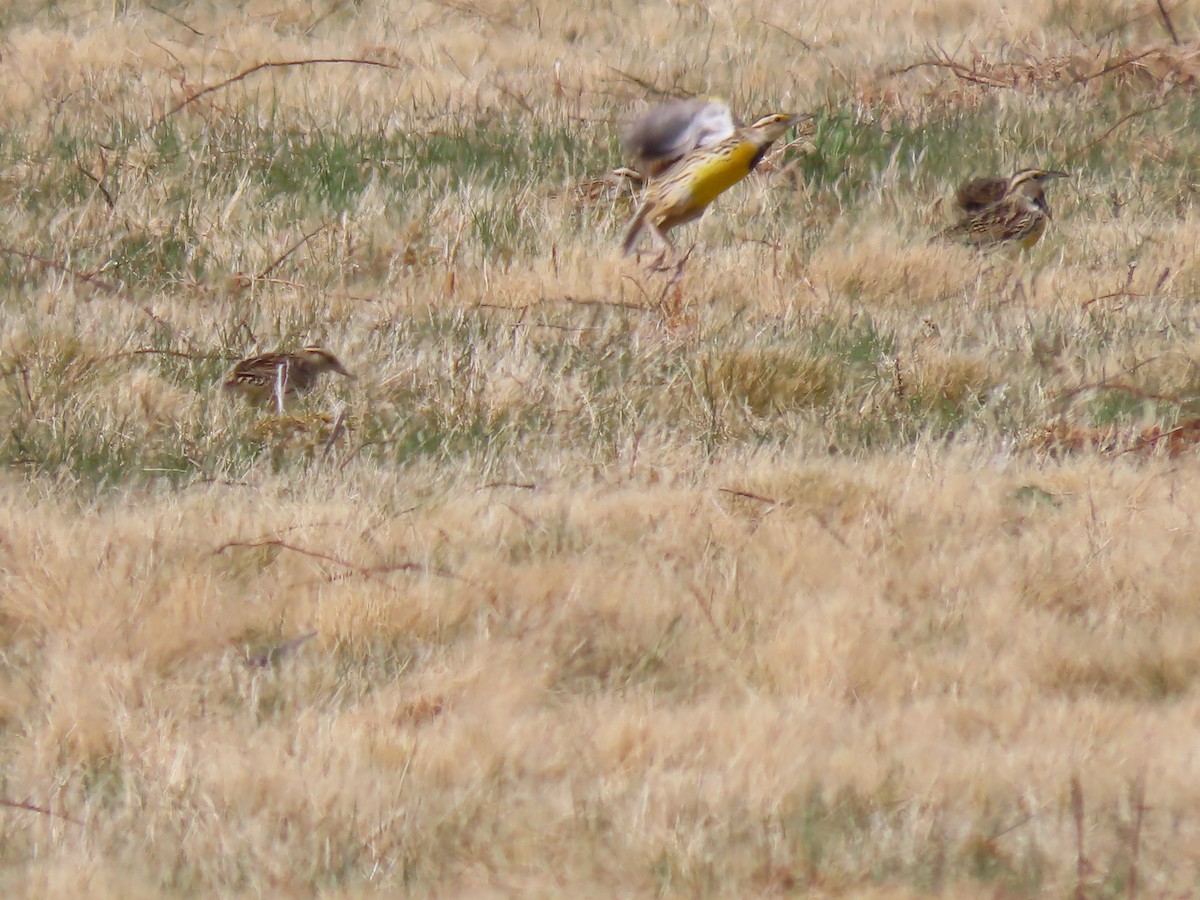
[847,564]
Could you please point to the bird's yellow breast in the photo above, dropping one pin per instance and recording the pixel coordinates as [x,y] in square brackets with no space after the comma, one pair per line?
[1035,232]
[715,176]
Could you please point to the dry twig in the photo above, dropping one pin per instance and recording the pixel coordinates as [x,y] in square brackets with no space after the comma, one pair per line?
[174,18]
[960,71]
[1167,22]
[260,67]
[670,93]
[1113,67]
[339,425]
[290,250]
[354,568]
[748,496]
[30,807]
[99,182]
[107,286]
[1140,111]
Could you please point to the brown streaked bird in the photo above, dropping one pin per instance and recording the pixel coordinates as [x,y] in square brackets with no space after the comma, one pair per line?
[664,134]
[1003,211]
[618,182]
[684,191]
[259,376]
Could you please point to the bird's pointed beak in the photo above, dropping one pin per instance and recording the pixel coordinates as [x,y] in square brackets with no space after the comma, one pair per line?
[803,123]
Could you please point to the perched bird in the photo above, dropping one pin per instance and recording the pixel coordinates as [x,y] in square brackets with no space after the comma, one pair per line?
[664,134]
[260,377]
[1003,211]
[685,190]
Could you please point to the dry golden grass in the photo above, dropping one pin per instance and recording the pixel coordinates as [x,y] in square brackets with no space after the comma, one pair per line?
[846,564]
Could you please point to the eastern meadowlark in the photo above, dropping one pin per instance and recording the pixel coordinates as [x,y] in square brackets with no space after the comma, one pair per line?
[666,133]
[1003,211]
[262,377]
[685,190]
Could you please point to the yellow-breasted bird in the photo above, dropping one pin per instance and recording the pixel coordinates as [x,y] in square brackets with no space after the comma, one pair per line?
[666,133]
[655,140]
[1003,210]
[682,192]
[260,377]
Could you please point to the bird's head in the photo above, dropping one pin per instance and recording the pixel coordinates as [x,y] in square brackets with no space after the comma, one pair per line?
[1037,175]
[1028,184]
[775,124]
[322,360]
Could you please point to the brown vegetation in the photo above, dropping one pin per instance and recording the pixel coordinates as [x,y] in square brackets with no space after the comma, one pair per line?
[835,563]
